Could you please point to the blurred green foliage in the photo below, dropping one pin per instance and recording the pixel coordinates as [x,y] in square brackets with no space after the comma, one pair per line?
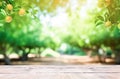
[42,24]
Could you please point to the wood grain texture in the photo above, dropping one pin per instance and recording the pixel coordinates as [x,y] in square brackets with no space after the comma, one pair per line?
[60,72]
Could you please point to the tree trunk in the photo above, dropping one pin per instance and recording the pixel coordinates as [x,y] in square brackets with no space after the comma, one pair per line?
[117,57]
[6,59]
[24,57]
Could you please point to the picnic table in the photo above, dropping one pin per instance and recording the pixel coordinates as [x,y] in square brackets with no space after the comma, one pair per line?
[60,72]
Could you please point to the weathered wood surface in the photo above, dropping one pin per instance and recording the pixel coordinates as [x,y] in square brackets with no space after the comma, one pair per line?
[60,72]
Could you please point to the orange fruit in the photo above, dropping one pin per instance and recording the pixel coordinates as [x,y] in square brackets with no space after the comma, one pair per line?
[22,12]
[107,2]
[8,19]
[9,7]
[119,25]
[108,23]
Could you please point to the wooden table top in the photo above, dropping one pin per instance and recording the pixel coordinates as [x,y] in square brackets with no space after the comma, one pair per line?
[60,72]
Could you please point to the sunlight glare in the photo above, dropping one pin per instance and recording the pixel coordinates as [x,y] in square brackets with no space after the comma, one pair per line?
[59,20]
[90,5]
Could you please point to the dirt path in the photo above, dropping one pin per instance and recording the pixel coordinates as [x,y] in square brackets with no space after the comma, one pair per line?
[62,60]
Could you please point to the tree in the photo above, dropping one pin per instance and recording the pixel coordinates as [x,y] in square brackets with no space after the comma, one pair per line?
[15,21]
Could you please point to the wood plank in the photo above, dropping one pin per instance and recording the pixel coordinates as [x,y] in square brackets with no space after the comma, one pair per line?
[60,72]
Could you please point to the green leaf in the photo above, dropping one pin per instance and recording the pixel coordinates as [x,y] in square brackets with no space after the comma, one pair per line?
[100,18]
[98,22]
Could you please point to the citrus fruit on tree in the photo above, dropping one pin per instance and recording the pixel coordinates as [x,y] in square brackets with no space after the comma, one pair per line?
[9,7]
[8,19]
[118,25]
[108,23]
[107,2]
[22,12]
